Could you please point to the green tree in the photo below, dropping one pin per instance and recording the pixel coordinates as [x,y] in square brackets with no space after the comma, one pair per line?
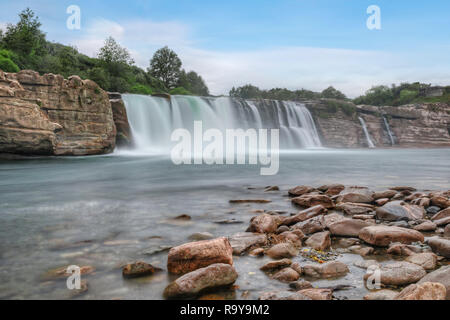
[113,53]
[6,63]
[166,66]
[193,83]
[246,92]
[332,93]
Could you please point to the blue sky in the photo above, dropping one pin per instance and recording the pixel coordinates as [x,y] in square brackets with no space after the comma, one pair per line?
[279,43]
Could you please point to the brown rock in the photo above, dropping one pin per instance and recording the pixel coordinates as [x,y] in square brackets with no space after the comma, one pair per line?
[264,223]
[292,237]
[442,222]
[305,215]
[441,214]
[383,235]
[138,269]
[286,275]
[347,227]
[384,194]
[319,241]
[423,291]
[192,283]
[403,188]
[399,210]
[300,285]
[257,252]
[194,255]
[123,137]
[447,231]
[278,264]
[332,189]
[440,201]
[354,208]
[426,260]
[311,225]
[297,267]
[311,200]
[441,275]
[382,201]
[362,251]
[245,241]
[383,294]
[399,273]
[250,201]
[300,190]
[332,269]
[282,250]
[317,294]
[440,246]
[356,195]
[426,226]
[401,249]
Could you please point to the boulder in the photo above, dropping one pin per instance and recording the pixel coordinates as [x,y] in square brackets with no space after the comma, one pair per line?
[244,241]
[312,225]
[423,291]
[382,236]
[331,218]
[401,249]
[311,200]
[317,294]
[138,269]
[282,250]
[383,294]
[399,273]
[361,250]
[426,260]
[300,190]
[265,223]
[440,201]
[354,208]
[347,227]
[440,246]
[305,215]
[194,255]
[332,269]
[282,295]
[192,283]
[441,214]
[319,241]
[403,188]
[365,264]
[286,275]
[426,226]
[300,285]
[399,210]
[293,237]
[355,195]
[441,275]
[278,264]
[332,189]
[382,201]
[384,194]
[442,222]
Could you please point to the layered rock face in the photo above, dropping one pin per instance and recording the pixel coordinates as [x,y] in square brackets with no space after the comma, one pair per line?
[120,116]
[50,115]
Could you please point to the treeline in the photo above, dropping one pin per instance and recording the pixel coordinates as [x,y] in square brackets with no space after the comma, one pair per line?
[24,46]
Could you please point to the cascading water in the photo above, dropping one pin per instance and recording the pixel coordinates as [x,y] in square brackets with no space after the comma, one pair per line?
[388,129]
[366,132]
[153,119]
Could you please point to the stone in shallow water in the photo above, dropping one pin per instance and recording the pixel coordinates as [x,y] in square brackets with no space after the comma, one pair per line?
[440,245]
[300,285]
[332,269]
[399,210]
[317,294]
[282,250]
[319,241]
[441,214]
[300,190]
[198,236]
[427,260]
[364,264]
[440,201]
[311,200]
[383,294]
[382,236]
[311,225]
[138,269]
[399,273]
[265,223]
[305,215]
[387,194]
[347,227]
[426,226]
[243,241]
[423,291]
[356,194]
[286,275]
[441,275]
[354,208]
[273,265]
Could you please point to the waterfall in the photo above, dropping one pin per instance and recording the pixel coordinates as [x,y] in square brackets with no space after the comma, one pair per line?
[366,132]
[388,128]
[153,119]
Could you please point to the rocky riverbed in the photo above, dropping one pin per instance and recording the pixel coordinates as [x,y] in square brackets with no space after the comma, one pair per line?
[342,242]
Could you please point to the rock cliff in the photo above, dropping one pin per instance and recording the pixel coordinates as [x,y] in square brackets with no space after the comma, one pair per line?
[50,115]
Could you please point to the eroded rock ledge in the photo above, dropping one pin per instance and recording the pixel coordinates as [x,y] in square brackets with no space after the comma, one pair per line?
[50,115]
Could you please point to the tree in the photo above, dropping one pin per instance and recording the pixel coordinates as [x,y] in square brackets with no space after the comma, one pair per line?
[193,83]
[332,93]
[246,92]
[166,66]
[112,52]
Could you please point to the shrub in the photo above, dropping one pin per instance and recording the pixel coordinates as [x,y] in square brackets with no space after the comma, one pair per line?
[8,65]
[180,91]
[141,89]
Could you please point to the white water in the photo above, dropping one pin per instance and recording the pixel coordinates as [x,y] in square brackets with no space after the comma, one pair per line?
[388,128]
[153,119]
[366,132]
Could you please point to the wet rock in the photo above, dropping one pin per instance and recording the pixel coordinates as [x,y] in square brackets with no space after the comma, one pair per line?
[332,269]
[382,201]
[422,202]
[432,210]
[355,195]
[192,283]
[423,291]
[198,236]
[319,241]
[297,267]
[278,264]
[441,275]
[361,250]
[272,188]
[399,273]
[305,215]
[138,269]
[363,216]
[250,201]
[300,285]
[311,225]
[354,208]
[364,264]
[228,221]
[384,194]
[282,229]
[264,223]
[441,202]
[399,210]
[286,275]
[383,294]
[447,231]
[401,224]
[403,188]
[257,252]
[442,222]
[311,200]
[382,236]
[440,246]
[300,190]
[426,260]
[293,237]
[426,226]
[347,227]
[317,294]
[282,250]
[183,217]
[332,189]
[244,241]
[282,295]
[195,255]
[61,272]
[441,214]
[401,249]
[347,242]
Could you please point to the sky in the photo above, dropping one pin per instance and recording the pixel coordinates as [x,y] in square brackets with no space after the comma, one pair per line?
[292,44]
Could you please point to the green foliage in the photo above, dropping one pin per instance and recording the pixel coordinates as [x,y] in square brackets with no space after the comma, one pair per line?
[166,66]
[8,65]
[333,105]
[406,96]
[141,89]
[332,93]
[180,91]
[246,92]
[193,83]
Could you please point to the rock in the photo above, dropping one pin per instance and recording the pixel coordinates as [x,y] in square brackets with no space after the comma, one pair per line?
[332,189]
[384,194]
[442,276]
[272,188]
[442,222]
[355,195]
[282,295]
[61,272]
[426,260]
[297,267]
[423,291]
[300,190]
[183,217]
[282,250]
[138,269]
[401,249]
[305,215]
[441,214]
[422,202]
[250,201]
[264,223]
[317,294]
[382,236]
[194,255]
[383,294]
[257,252]
[192,283]
[282,229]
[300,285]
[331,269]
[354,208]
[399,210]
[286,275]
[365,264]
[440,246]
[401,224]
[362,251]
[447,231]
[311,225]
[441,202]
[426,226]
[403,188]
[433,210]
[311,200]
[399,273]
[347,242]
[198,236]
[382,201]
[331,218]
[278,264]
[50,115]
[347,227]
[244,241]
[319,241]
[293,237]
[363,216]
[123,137]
